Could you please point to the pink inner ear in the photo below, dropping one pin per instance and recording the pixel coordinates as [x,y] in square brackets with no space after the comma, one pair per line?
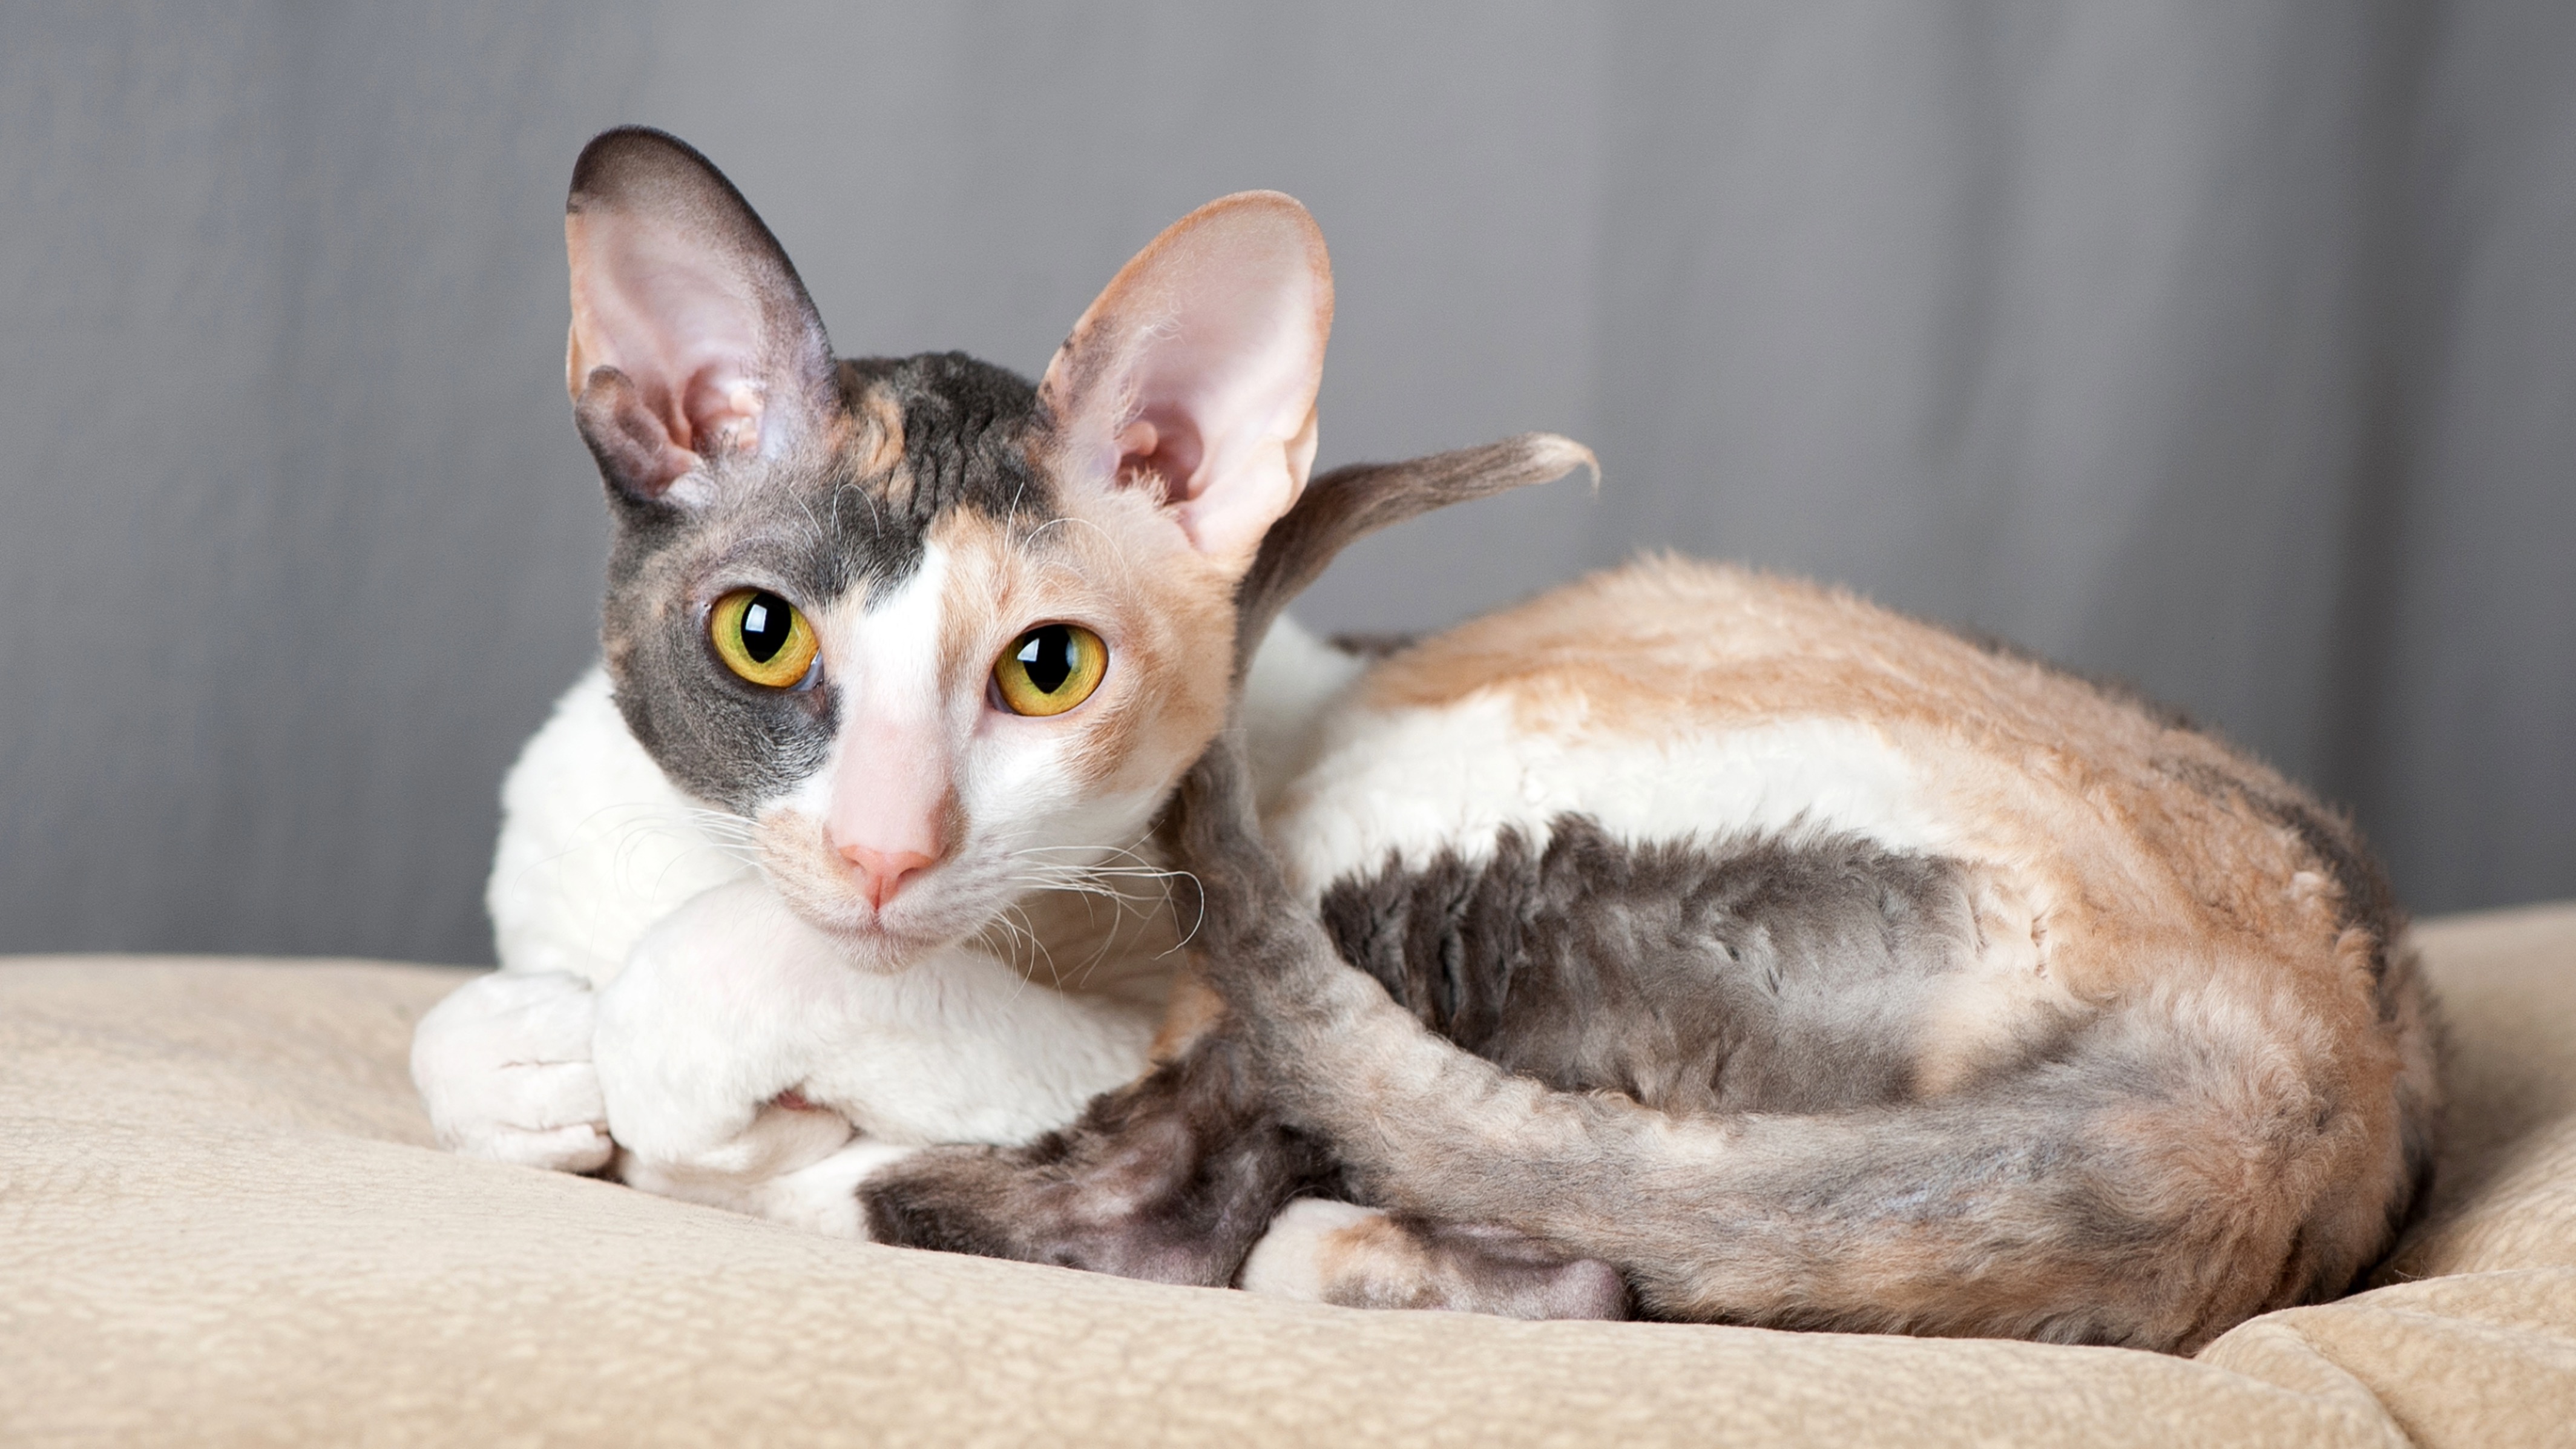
[1198,365]
[686,332]
[683,328]
[633,445]
[1225,390]
[1163,447]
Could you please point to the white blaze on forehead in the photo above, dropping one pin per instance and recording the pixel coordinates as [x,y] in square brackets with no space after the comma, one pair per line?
[888,644]
[889,781]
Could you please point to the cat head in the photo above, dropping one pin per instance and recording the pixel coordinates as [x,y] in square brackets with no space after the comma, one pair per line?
[937,634]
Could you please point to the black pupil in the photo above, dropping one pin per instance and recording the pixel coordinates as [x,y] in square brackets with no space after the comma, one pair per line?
[764,627]
[1046,656]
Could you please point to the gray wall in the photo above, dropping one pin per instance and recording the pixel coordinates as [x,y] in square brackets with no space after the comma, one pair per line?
[2231,349]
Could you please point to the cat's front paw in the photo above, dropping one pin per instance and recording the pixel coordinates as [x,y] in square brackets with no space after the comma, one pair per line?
[503,1065]
[821,1196]
[824,1198]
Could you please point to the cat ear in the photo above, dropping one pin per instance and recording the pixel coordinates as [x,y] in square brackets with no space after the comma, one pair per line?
[1195,372]
[691,334]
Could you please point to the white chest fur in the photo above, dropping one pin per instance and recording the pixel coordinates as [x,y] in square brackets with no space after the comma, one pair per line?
[596,844]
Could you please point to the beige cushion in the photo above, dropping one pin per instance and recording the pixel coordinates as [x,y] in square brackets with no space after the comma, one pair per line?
[222,1220]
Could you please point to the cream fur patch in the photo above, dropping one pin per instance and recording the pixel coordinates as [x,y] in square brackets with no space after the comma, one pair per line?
[1412,782]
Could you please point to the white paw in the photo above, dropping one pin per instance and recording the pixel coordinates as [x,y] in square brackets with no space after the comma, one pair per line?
[779,1140]
[503,1065]
[1355,1257]
[1300,1257]
[824,1198]
[819,1196]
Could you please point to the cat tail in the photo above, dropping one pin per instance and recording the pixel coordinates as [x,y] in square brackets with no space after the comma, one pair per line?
[1354,501]
[2147,1188]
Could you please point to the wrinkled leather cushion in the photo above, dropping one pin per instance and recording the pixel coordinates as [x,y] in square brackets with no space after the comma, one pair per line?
[222,1220]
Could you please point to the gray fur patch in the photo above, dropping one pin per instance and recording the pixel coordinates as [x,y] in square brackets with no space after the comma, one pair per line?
[1761,974]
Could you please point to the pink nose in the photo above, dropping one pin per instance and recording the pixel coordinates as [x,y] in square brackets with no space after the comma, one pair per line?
[882,872]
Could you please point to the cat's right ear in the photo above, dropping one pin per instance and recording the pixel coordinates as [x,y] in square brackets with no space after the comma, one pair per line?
[692,337]
[1194,374]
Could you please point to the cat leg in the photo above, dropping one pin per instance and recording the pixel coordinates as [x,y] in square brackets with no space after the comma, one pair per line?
[1171,1178]
[1320,1251]
[1183,1176]
[721,1013]
[504,1066]
[702,1040]
[821,1196]
[748,1063]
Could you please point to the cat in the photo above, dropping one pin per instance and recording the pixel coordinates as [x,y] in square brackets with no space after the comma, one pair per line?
[901,659]
[1689,939]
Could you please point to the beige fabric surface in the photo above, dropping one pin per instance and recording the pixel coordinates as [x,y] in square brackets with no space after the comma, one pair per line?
[222,1221]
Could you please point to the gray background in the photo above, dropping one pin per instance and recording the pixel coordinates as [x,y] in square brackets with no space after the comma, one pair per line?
[2231,349]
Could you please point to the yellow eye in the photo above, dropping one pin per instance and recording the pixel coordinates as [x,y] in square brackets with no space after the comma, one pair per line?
[762,637]
[1050,669]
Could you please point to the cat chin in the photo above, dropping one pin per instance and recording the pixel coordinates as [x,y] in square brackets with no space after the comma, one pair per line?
[872,944]
[942,908]
[819,892]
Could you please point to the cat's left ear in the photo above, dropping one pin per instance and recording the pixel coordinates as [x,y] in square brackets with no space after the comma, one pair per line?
[1195,372]
[691,334]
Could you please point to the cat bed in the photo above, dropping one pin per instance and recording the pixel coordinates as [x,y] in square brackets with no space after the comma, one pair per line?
[222,1220]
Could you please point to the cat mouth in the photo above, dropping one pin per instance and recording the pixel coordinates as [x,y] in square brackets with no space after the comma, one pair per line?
[885,938]
[833,897]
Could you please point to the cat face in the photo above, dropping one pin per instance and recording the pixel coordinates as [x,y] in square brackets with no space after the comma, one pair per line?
[937,635]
